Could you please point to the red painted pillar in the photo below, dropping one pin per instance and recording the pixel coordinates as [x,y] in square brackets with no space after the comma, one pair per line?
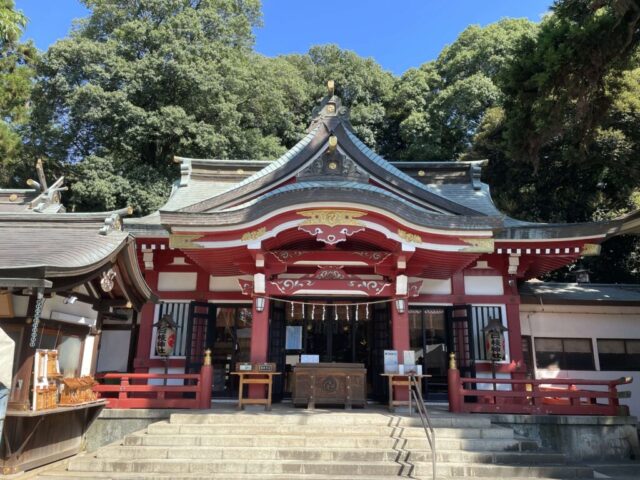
[206,381]
[400,328]
[515,337]
[513,324]
[145,332]
[400,337]
[259,343]
[455,400]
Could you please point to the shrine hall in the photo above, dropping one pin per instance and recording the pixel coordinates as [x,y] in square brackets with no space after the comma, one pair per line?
[333,254]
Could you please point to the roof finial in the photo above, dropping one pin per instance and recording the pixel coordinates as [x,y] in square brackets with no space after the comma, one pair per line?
[331,86]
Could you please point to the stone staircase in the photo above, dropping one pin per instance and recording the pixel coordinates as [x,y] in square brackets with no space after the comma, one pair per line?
[299,444]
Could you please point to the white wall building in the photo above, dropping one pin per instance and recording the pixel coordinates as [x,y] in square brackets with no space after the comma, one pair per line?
[583,331]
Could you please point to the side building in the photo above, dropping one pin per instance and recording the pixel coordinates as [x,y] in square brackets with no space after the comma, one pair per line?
[65,279]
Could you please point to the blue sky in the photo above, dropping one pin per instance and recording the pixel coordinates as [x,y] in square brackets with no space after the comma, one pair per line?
[399,34]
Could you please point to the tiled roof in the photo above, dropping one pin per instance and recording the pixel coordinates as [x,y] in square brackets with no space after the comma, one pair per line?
[55,250]
[550,292]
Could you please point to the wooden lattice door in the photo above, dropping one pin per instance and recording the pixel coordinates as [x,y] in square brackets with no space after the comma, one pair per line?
[200,334]
[459,338]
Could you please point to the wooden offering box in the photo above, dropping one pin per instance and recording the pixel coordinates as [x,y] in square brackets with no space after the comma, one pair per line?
[329,384]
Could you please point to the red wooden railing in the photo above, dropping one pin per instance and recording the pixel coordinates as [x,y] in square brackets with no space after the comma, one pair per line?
[134,390]
[536,397]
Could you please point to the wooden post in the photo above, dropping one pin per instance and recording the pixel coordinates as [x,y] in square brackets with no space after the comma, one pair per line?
[206,378]
[123,394]
[455,399]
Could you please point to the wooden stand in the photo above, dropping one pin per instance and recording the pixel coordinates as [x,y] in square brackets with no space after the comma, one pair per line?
[255,378]
[400,380]
[329,384]
[34,438]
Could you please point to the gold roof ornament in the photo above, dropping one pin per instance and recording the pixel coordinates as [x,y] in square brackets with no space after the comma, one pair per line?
[331,218]
[333,143]
[254,235]
[409,237]
[184,241]
[590,250]
[331,87]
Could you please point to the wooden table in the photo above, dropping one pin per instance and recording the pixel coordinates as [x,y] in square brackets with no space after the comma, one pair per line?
[255,378]
[401,380]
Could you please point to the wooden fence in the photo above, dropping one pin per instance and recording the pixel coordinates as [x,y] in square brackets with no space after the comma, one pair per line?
[150,390]
[536,397]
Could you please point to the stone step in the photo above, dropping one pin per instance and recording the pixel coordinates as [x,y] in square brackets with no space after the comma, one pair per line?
[333,468]
[231,476]
[328,441]
[329,418]
[224,476]
[167,428]
[337,454]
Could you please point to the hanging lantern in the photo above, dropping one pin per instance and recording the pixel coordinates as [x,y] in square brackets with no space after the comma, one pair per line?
[494,335]
[166,336]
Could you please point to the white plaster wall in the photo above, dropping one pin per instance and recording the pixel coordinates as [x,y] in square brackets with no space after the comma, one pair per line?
[87,355]
[177,281]
[158,381]
[226,284]
[434,286]
[489,386]
[483,285]
[77,313]
[593,322]
[114,351]
[20,305]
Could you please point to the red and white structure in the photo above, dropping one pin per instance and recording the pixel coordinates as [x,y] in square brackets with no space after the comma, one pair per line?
[333,251]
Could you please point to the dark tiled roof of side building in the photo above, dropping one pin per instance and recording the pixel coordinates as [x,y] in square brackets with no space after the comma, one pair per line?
[580,293]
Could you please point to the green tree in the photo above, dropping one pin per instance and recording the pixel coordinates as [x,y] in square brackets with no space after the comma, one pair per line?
[565,145]
[361,83]
[438,107]
[16,76]
[137,82]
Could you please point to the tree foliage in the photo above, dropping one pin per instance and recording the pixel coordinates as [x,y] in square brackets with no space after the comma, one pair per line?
[16,74]
[565,145]
[136,83]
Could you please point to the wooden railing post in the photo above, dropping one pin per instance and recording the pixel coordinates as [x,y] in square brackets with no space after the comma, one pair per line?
[123,394]
[454,387]
[206,378]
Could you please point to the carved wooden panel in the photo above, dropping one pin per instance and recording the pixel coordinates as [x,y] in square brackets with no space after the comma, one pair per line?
[329,384]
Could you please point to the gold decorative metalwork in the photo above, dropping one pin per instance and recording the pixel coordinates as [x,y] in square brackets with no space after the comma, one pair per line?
[331,87]
[13,197]
[207,357]
[409,237]
[422,173]
[331,108]
[184,241]
[333,166]
[331,218]
[479,245]
[333,143]
[452,361]
[590,250]
[254,235]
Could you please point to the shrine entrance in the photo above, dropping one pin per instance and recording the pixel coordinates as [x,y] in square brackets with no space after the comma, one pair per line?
[329,331]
